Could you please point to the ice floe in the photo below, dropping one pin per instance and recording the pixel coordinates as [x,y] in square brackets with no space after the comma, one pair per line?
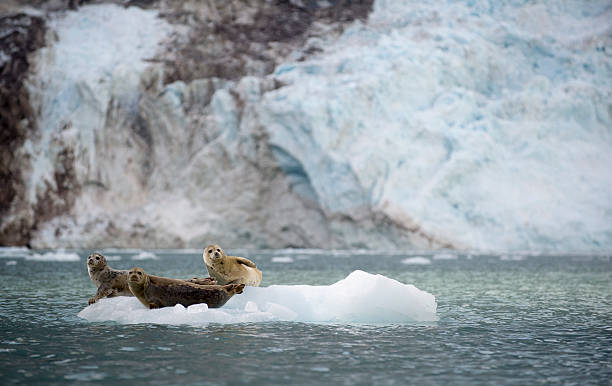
[359,298]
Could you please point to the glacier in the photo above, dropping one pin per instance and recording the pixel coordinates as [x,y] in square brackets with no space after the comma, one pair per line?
[487,124]
[470,125]
[361,297]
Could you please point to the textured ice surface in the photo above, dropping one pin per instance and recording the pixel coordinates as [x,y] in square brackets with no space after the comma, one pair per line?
[486,124]
[359,298]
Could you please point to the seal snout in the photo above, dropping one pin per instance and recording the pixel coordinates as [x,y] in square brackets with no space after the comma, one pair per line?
[93,259]
[135,275]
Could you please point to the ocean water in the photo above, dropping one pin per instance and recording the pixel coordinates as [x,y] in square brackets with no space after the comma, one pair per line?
[500,319]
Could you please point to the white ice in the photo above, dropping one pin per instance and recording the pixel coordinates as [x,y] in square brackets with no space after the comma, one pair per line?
[144,255]
[417,260]
[359,298]
[282,259]
[487,124]
[54,256]
[12,252]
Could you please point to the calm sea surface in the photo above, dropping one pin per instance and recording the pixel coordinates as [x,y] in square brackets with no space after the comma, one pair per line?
[520,320]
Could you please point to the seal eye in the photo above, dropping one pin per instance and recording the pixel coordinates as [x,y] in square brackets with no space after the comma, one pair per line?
[97,258]
[218,250]
[210,251]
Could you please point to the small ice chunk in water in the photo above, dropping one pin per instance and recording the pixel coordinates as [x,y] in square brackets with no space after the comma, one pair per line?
[445,256]
[144,255]
[417,260]
[282,259]
[54,256]
[11,262]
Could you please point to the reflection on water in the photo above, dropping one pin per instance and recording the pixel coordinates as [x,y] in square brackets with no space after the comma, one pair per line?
[543,319]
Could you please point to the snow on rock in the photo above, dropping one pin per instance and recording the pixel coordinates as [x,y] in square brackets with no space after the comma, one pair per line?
[483,125]
[359,298]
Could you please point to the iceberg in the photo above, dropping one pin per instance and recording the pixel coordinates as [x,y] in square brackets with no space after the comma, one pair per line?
[359,298]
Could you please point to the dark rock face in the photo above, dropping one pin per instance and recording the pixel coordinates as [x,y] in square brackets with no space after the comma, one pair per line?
[229,40]
[19,36]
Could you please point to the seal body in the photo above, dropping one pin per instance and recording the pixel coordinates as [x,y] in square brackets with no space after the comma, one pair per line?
[157,292]
[114,282]
[110,282]
[230,269]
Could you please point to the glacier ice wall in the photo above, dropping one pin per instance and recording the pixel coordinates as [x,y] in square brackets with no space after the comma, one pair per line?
[487,124]
[481,125]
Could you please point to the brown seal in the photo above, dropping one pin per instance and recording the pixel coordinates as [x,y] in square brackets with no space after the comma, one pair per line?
[230,269]
[114,282]
[157,292]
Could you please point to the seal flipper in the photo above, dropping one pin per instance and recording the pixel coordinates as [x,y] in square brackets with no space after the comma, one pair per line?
[236,288]
[246,262]
[102,292]
[204,281]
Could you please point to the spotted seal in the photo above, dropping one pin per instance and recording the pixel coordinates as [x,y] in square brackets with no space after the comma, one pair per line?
[230,269]
[157,292]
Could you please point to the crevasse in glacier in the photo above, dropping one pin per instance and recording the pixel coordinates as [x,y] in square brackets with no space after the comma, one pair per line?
[488,124]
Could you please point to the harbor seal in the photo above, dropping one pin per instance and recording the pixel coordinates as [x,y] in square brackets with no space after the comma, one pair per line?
[110,282]
[230,269]
[114,282]
[157,292]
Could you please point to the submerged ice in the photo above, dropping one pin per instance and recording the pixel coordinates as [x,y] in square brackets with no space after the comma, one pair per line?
[359,298]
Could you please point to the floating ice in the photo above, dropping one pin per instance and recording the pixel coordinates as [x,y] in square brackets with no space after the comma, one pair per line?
[54,256]
[11,262]
[417,260]
[445,256]
[12,252]
[359,298]
[145,256]
[282,259]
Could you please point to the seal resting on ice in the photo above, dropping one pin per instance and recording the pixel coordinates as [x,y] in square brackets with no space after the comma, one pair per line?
[230,269]
[157,292]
